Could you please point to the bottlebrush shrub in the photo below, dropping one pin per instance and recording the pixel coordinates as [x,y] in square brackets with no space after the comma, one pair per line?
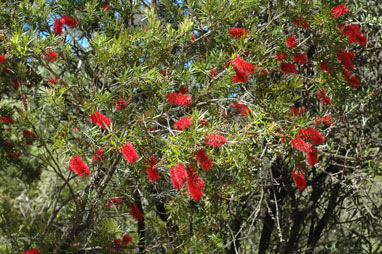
[130,102]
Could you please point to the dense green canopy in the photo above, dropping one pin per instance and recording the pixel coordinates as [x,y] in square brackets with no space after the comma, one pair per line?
[225,126]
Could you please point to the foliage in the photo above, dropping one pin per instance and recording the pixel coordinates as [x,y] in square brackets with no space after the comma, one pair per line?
[188,82]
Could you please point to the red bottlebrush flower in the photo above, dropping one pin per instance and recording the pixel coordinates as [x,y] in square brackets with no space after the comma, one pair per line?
[301,58]
[7,120]
[15,83]
[321,94]
[178,175]
[300,22]
[297,111]
[354,34]
[32,251]
[241,66]
[236,32]
[300,144]
[53,80]
[312,134]
[163,72]
[204,123]
[16,155]
[118,244]
[280,56]
[120,104]
[213,73]
[317,120]
[226,64]
[29,141]
[327,120]
[242,109]
[129,153]
[242,69]
[202,158]
[78,166]
[183,89]
[58,26]
[135,212]
[106,7]
[291,41]
[28,134]
[325,67]
[311,157]
[122,243]
[214,140]
[183,123]
[70,22]
[240,77]
[126,239]
[2,59]
[98,155]
[346,59]
[288,68]
[152,161]
[362,40]
[323,97]
[326,100]
[339,11]
[100,120]
[114,201]
[340,27]
[244,52]
[192,38]
[152,173]
[299,179]
[51,56]
[195,184]
[179,99]
[352,80]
